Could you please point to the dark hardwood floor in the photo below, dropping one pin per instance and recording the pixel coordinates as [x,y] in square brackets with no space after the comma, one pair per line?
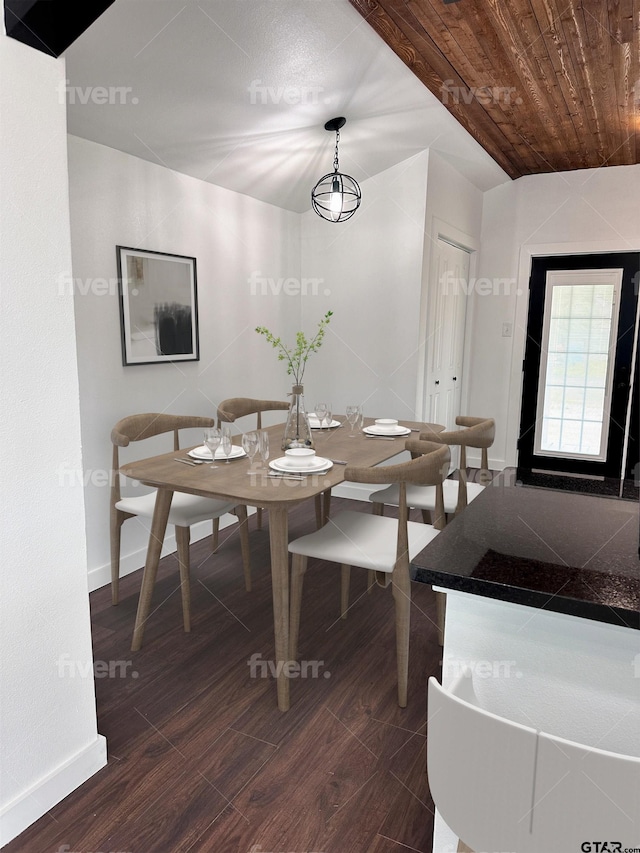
[200,759]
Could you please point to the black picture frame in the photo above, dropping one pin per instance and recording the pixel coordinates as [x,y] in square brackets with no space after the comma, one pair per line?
[158,306]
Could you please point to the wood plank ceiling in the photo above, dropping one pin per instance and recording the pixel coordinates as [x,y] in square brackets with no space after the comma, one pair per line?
[543,85]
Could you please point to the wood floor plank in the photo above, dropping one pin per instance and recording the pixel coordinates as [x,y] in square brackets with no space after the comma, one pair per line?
[204,792]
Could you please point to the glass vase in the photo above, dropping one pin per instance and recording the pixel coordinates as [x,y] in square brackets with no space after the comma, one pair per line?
[297,432]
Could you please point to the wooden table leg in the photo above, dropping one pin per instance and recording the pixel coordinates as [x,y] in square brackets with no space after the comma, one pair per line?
[278,535]
[156,538]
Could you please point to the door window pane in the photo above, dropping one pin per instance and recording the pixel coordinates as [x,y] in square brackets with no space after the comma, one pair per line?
[593,404]
[597,371]
[576,369]
[574,372]
[551,433]
[556,367]
[573,404]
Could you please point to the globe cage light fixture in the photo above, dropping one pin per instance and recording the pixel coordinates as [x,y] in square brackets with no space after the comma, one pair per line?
[336,197]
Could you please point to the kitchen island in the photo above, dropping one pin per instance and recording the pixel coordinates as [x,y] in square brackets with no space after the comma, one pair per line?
[543,610]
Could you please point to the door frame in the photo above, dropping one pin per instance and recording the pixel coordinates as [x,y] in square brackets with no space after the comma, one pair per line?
[527,252]
[620,351]
[440,229]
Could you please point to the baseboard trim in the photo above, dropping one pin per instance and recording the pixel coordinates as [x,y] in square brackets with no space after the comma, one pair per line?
[474,461]
[21,812]
[134,560]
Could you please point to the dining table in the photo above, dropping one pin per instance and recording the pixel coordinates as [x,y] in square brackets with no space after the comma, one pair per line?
[239,482]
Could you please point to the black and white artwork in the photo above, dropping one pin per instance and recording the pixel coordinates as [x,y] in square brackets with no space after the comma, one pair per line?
[158,307]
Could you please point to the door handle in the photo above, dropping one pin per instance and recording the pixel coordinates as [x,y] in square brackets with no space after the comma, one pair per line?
[455,378]
[437,381]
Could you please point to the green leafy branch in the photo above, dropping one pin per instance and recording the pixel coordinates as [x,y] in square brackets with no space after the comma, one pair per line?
[297,358]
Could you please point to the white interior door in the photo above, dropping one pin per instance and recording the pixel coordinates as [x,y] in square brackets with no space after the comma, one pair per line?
[445,334]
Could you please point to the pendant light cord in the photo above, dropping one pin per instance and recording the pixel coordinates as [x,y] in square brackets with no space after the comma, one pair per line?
[335,159]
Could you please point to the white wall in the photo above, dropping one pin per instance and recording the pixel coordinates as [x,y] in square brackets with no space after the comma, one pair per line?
[49,742]
[451,200]
[368,271]
[248,268]
[592,210]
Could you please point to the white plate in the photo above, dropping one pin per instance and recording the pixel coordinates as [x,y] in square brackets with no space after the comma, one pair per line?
[203,452]
[283,465]
[399,430]
[314,424]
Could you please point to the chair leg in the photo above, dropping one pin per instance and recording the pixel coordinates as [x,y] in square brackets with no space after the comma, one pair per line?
[241,512]
[116,528]
[378,509]
[402,597]
[216,535]
[441,604]
[298,568]
[426,516]
[182,538]
[371,580]
[326,505]
[344,590]
[259,518]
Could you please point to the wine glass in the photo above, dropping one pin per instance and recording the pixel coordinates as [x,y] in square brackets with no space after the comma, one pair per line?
[226,442]
[212,438]
[353,416]
[263,445]
[320,410]
[250,446]
[328,415]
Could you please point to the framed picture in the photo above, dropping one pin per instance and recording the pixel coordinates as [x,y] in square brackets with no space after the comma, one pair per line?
[158,307]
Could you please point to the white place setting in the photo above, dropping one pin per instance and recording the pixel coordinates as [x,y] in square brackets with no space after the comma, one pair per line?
[315,423]
[386,427]
[204,453]
[300,460]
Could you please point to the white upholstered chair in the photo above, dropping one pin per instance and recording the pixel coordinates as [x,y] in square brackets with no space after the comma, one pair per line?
[500,785]
[185,509]
[381,545]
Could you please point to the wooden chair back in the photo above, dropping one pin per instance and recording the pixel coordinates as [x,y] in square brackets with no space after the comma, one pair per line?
[139,427]
[238,407]
[429,466]
[478,433]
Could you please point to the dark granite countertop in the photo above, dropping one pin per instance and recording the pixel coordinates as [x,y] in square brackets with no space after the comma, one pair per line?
[544,548]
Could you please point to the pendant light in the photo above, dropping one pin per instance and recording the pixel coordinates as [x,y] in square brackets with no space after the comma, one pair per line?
[336,197]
